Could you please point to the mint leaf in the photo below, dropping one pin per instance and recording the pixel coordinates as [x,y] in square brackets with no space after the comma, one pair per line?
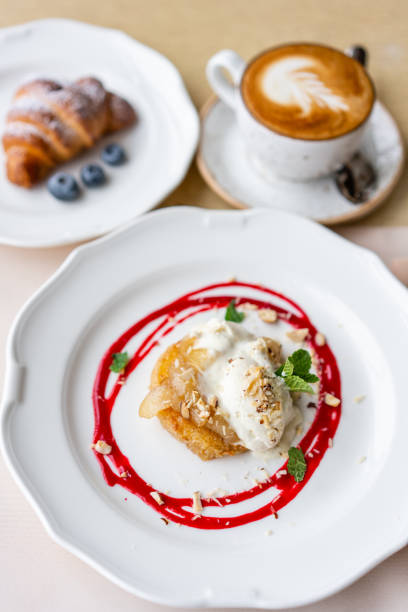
[295,372]
[287,369]
[310,377]
[297,463]
[119,362]
[279,371]
[232,314]
[302,362]
[295,383]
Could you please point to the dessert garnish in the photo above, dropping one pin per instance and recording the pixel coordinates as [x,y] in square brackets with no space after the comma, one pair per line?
[331,400]
[102,447]
[296,372]
[268,315]
[232,314]
[119,362]
[296,463]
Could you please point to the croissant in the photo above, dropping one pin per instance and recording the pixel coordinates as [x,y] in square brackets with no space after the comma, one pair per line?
[50,123]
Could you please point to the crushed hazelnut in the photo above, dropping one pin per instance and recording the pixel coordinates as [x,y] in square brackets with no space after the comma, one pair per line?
[298,335]
[197,506]
[102,447]
[268,315]
[265,475]
[331,400]
[157,497]
[248,306]
[359,398]
[213,402]
[185,411]
[165,521]
[320,339]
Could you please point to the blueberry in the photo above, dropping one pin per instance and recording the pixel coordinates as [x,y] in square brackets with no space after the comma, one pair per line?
[113,154]
[93,175]
[63,186]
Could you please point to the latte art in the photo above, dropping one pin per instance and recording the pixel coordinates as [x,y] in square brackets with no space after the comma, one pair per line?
[307,91]
[293,82]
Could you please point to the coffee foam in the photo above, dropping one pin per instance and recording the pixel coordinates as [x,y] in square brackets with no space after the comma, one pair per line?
[307,91]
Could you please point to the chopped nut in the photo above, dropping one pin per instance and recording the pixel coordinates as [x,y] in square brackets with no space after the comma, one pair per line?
[185,411]
[331,400]
[216,493]
[213,402]
[157,497]
[102,447]
[268,532]
[265,475]
[330,443]
[231,279]
[320,339]
[248,306]
[124,474]
[197,506]
[298,335]
[268,315]
[359,398]
[165,521]
[362,459]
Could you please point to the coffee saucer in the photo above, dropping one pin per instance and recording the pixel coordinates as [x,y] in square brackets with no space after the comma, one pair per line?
[224,165]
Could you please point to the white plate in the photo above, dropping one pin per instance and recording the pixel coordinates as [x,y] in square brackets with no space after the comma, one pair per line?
[223,163]
[348,517]
[159,147]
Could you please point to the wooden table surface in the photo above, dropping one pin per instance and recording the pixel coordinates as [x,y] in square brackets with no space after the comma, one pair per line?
[35,574]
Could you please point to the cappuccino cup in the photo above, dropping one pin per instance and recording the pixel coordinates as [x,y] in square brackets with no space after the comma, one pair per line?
[301,108]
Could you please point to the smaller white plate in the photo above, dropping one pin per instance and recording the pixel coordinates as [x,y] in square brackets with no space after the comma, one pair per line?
[223,163]
[159,147]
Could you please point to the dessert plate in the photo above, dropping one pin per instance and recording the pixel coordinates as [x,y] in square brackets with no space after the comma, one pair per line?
[224,165]
[351,514]
[159,147]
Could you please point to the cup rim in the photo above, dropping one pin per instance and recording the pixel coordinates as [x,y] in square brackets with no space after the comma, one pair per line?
[312,44]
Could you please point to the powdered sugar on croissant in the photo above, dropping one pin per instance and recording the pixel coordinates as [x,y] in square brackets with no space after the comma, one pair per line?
[50,123]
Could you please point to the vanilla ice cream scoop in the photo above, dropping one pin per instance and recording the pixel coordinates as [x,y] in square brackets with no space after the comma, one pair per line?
[255,402]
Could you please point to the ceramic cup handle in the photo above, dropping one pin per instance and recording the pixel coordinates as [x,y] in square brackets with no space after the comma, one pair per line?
[232,63]
[358,53]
